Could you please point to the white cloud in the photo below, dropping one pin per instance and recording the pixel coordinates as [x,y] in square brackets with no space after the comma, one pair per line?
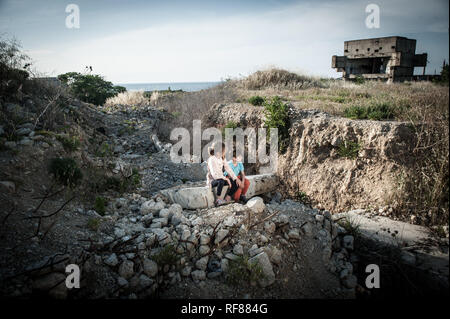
[299,37]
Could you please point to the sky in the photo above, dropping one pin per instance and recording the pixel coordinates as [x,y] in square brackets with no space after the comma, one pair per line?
[139,41]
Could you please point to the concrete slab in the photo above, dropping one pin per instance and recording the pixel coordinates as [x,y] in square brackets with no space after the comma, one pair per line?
[202,197]
[386,230]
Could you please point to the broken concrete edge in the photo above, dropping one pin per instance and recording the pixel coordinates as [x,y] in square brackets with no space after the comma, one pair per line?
[203,197]
[409,238]
[385,230]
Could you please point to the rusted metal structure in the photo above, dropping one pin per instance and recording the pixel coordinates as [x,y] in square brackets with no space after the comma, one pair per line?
[389,58]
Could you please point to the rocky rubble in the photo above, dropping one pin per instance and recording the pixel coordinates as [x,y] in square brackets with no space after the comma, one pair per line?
[137,253]
[159,242]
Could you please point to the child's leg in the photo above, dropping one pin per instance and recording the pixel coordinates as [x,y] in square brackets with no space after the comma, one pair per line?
[232,189]
[237,194]
[246,186]
[219,183]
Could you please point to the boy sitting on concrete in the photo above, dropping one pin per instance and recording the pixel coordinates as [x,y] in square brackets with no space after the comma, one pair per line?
[243,184]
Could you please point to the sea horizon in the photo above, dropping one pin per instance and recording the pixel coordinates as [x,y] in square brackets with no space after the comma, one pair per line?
[159,86]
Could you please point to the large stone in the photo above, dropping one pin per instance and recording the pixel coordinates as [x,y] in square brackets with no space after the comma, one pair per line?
[186,271]
[202,197]
[145,281]
[151,206]
[23,131]
[204,239]
[203,250]
[126,269]
[162,221]
[238,249]
[122,282]
[294,234]
[347,242]
[275,254]
[175,209]
[263,261]
[256,205]
[112,260]
[165,213]
[7,186]
[350,281]
[53,283]
[26,142]
[221,234]
[198,275]
[150,267]
[202,263]
[269,227]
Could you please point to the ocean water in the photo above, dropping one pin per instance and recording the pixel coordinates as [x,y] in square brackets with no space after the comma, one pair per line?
[185,86]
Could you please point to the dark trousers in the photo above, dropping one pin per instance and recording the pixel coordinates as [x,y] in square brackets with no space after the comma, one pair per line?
[234,187]
[220,183]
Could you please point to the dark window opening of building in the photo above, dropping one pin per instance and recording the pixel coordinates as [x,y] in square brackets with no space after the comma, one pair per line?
[396,64]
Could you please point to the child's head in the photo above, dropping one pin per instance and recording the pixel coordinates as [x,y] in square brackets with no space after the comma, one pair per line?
[217,149]
[236,157]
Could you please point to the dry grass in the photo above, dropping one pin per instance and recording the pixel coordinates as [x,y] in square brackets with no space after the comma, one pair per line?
[188,106]
[279,79]
[132,98]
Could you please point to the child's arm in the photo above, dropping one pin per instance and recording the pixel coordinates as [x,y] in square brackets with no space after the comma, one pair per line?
[229,170]
[216,168]
[242,172]
[242,175]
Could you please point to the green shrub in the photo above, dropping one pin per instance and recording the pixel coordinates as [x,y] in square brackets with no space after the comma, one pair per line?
[444,74]
[242,271]
[256,100]
[378,112]
[356,112]
[45,133]
[65,171]
[303,197]
[338,99]
[166,256]
[231,125]
[93,223]
[351,227]
[444,80]
[122,184]
[100,205]
[70,143]
[277,116]
[359,79]
[348,149]
[105,150]
[90,88]
[176,114]
[13,67]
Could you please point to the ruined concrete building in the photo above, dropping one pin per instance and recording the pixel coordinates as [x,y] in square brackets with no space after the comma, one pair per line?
[389,58]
